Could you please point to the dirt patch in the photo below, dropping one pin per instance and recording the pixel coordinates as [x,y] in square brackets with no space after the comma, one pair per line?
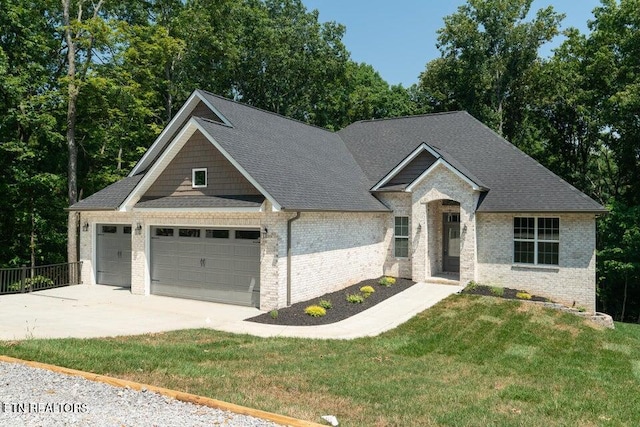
[341,308]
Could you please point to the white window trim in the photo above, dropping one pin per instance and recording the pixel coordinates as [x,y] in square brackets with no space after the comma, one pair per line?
[193,177]
[395,236]
[535,241]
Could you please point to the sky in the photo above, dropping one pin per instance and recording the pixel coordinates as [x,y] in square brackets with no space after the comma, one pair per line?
[399,37]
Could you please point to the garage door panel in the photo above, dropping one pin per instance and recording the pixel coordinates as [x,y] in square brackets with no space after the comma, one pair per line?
[209,265]
[218,249]
[245,266]
[219,265]
[247,251]
[113,255]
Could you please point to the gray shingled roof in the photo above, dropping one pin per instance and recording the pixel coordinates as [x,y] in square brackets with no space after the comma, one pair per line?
[302,167]
[307,168]
[109,198]
[516,182]
[202,202]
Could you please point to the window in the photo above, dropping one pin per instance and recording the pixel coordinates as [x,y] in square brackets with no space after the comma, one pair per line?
[189,232]
[110,229]
[126,229]
[536,240]
[248,234]
[217,234]
[199,177]
[164,232]
[401,237]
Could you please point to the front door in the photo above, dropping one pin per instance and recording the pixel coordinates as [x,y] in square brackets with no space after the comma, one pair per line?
[451,242]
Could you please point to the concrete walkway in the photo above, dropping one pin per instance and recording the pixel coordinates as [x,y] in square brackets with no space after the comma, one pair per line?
[85,311]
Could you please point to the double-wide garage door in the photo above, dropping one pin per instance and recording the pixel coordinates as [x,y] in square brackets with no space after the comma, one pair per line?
[212,264]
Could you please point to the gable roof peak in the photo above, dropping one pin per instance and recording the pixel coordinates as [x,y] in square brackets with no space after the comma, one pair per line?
[262,110]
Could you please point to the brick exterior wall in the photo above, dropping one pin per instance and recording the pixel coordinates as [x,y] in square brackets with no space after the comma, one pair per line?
[400,203]
[334,250]
[572,281]
[442,184]
[330,250]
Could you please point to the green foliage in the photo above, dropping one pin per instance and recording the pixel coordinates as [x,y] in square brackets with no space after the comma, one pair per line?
[523,295]
[367,291]
[387,281]
[325,303]
[497,291]
[619,262]
[472,285]
[36,282]
[273,314]
[355,298]
[488,49]
[315,311]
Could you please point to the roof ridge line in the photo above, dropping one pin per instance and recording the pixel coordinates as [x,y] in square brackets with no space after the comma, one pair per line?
[267,111]
[410,116]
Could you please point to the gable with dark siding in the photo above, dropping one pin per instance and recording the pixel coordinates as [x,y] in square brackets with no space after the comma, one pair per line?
[223,179]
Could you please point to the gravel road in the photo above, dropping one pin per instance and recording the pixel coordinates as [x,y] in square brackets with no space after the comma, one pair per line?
[37,397]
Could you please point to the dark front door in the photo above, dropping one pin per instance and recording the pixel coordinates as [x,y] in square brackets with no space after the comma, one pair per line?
[451,242]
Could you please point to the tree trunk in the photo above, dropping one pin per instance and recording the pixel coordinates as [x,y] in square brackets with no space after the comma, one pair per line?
[72,165]
[624,299]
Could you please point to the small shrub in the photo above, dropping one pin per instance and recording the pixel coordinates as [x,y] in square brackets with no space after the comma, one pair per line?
[523,295]
[472,285]
[582,309]
[367,291]
[387,281]
[325,303]
[273,314]
[497,291]
[315,311]
[355,298]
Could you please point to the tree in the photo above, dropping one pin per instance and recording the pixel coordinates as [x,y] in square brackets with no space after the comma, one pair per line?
[488,49]
[612,57]
[31,224]
[79,38]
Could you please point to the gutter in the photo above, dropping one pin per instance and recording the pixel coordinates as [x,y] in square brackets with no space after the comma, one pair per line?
[289,222]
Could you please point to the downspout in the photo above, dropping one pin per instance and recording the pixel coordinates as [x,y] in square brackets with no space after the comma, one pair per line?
[289,222]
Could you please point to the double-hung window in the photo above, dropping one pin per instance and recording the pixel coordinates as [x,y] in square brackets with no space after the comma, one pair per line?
[536,240]
[401,240]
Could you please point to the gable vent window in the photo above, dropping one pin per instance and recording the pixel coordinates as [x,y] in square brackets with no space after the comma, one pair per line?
[199,177]
[536,240]
[401,240]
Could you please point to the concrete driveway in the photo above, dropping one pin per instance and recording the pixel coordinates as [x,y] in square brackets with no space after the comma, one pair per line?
[85,311]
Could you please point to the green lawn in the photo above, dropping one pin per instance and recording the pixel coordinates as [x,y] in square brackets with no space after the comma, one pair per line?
[468,361]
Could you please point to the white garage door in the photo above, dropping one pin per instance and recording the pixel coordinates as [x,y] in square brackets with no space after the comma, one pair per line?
[212,264]
[113,255]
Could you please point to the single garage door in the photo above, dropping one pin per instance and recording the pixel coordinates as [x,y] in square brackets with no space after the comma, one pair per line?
[211,264]
[113,255]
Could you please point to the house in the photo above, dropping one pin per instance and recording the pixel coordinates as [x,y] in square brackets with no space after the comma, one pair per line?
[239,205]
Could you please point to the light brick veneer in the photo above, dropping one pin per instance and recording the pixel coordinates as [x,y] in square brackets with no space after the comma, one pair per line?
[400,203]
[442,184]
[330,250]
[573,281]
[334,250]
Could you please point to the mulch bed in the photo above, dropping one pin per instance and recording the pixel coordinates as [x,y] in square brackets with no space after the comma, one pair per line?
[342,309]
[509,293]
